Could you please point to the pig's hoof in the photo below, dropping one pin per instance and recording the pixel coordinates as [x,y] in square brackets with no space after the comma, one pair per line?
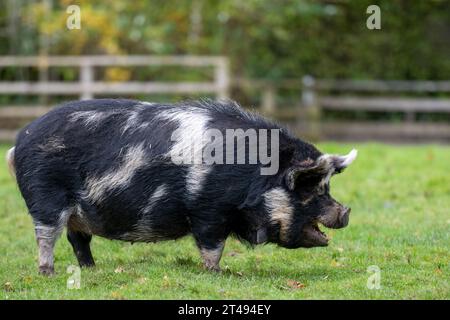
[213,268]
[88,264]
[46,271]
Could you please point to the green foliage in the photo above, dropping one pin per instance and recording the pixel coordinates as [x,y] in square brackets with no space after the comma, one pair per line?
[264,39]
[399,222]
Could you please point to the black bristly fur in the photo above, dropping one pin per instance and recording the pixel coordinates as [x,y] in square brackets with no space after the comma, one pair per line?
[53,178]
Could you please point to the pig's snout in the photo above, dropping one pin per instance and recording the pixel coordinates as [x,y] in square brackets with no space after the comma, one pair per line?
[343,218]
[337,218]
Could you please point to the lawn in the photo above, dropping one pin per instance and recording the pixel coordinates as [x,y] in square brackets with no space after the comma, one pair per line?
[400,222]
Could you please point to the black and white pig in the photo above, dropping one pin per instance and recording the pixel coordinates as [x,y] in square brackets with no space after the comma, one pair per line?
[105,167]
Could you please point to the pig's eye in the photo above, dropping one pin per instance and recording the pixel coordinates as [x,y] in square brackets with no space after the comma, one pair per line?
[321,190]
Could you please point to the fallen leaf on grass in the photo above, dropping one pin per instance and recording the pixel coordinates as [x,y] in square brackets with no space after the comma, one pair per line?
[8,287]
[233,253]
[166,282]
[258,257]
[142,280]
[27,279]
[119,269]
[117,295]
[293,284]
[337,264]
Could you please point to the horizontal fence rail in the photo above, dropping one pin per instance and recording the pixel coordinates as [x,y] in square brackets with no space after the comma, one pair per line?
[88,89]
[321,95]
[383,86]
[349,85]
[134,60]
[385,104]
[87,86]
[315,97]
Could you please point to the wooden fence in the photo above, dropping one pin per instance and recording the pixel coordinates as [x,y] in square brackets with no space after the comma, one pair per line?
[87,86]
[316,97]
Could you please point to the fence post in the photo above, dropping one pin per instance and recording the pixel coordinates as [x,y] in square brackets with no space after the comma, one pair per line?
[269,100]
[410,116]
[86,77]
[309,115]
[43,76]
[222,78]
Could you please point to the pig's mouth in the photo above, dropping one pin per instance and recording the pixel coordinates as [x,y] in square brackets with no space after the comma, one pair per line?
[313,236]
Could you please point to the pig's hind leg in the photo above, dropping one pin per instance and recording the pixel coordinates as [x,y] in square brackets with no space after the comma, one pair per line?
[80,242]
[47,232]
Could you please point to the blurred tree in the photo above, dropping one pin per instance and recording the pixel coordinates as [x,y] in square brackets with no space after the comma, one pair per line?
[263,38]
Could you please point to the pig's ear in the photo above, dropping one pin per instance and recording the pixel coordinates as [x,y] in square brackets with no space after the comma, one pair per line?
[325,166]
[307,169]
[338,162]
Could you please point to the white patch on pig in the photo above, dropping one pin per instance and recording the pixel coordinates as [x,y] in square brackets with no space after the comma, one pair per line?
[132,123]
[120,177]
[338,161]
[189,143]
[54,231]
[158,194]
[326,180]
[53,144]
[10,160]
[278,204]
[148,103]
[143,231]
[46,236]
[90,118]
[195,179]
[188,137]
[348,159]
[45,246]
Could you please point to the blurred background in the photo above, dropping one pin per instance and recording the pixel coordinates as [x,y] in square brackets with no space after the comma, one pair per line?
[314,65]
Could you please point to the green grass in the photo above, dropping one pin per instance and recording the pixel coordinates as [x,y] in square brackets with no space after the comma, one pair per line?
[400,221]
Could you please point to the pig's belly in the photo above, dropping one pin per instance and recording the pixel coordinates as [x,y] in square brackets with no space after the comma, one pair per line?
[132,228]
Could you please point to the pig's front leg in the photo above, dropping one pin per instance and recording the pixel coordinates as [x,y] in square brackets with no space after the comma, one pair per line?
[211,255]
[210,237]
